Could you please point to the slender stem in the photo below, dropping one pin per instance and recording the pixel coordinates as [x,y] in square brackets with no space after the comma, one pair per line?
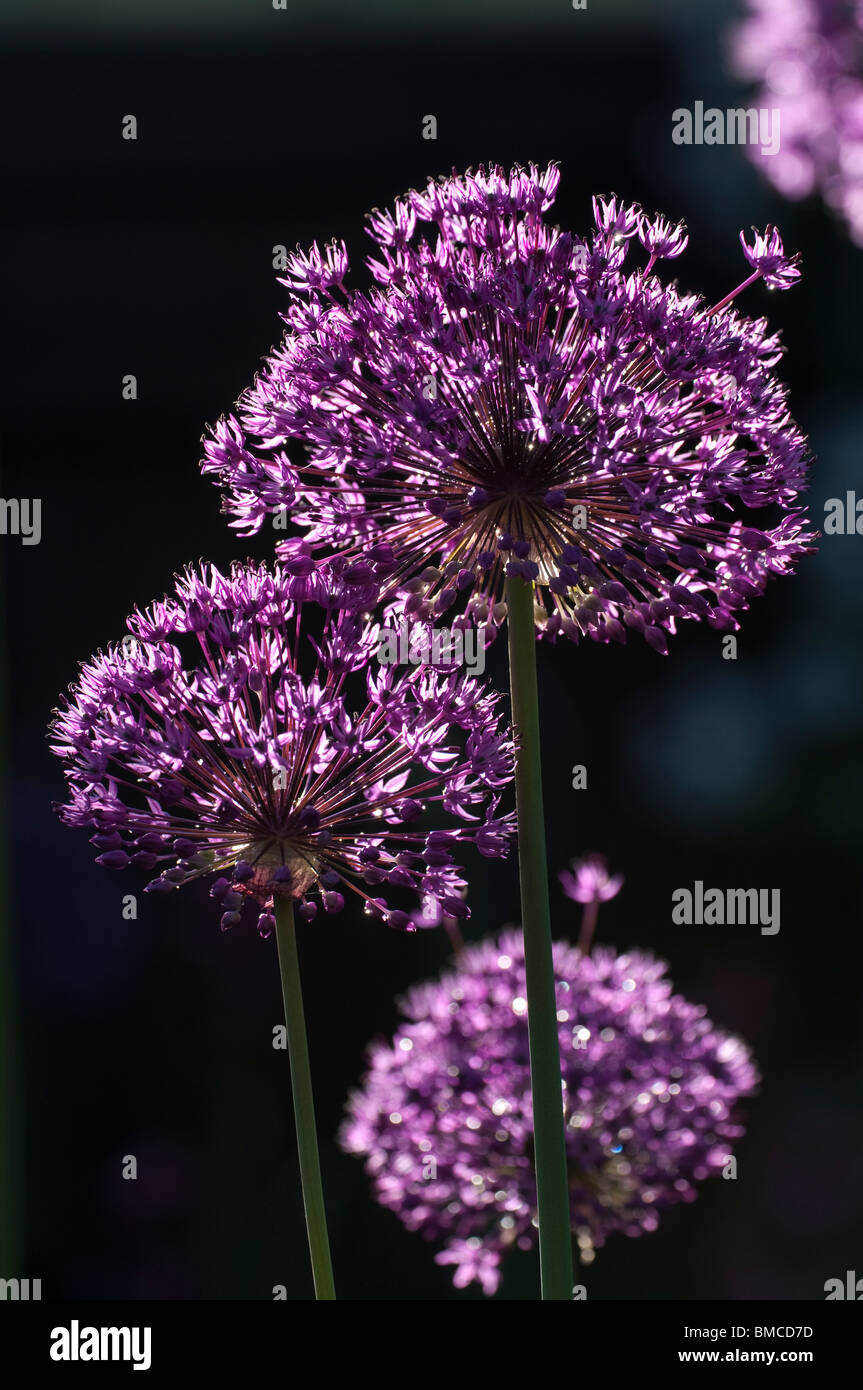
[552,1186]
[11,1197]
[588,927]
[304,1105]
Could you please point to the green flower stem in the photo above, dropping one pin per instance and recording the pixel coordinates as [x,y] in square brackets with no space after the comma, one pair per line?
[552,1185]
[10,1108]
[304,1105]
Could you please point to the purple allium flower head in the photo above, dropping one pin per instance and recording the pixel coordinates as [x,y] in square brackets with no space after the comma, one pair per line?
[202,744]
[444,1119]
[588,881]
[513,400]
[807,56]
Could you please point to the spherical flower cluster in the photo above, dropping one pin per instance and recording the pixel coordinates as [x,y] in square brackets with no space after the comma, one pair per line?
[807,56]
[203,744]
[444,1119]
[514,401]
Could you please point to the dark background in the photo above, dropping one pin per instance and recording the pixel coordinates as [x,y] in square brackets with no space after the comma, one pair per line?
[153,1037]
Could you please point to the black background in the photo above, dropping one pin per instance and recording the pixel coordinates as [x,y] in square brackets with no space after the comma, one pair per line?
[154,257]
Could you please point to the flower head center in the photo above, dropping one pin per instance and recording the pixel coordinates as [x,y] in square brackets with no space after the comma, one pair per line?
[285,868]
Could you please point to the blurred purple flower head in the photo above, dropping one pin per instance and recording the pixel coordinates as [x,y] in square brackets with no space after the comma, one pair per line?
[589,880]
[807,57]
[443,1117]
[205,743]
[511,400]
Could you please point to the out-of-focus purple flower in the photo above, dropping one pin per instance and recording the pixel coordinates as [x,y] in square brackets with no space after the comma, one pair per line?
[807,57]
[511,400]
[589,880]
[206,743]
[474,1263]
[443,1118]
